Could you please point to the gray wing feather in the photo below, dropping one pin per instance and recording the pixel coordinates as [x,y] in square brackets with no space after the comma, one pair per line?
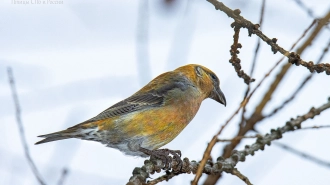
[131,104]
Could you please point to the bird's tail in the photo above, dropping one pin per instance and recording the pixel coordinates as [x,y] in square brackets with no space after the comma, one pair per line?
[64,134]
[85,130]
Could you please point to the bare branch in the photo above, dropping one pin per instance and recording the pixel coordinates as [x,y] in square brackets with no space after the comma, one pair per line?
[294,58]
[21,128]
[241,176]
[234,60]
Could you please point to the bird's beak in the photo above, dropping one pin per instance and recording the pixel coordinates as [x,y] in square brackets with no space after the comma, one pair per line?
[218,96]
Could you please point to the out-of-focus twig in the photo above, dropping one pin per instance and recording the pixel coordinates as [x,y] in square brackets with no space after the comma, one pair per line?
[241,176]
[262,12]
[182,38]
[316,127]
[303,155]
[221,165]
[21,128]
[308,10]
[64,174]
[256,52]
[142,44]
[304,7]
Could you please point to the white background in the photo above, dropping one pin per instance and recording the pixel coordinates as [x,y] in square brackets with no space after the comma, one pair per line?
[73,60]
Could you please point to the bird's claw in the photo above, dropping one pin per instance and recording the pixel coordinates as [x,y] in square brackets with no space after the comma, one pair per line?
[164,155]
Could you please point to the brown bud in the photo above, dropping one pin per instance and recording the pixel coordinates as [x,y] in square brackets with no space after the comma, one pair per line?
[237,11]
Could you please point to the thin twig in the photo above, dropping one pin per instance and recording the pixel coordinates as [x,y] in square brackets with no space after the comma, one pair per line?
[316,127]
[262,12]
[304,7]
[308,11]
[234,60]
[21,128]
[241,176]
[165,177]
[303,155]
[64,174]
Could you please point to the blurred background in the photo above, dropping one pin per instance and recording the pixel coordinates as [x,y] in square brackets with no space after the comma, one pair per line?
[74,59]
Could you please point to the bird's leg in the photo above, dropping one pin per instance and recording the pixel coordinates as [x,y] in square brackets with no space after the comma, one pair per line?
[163,154]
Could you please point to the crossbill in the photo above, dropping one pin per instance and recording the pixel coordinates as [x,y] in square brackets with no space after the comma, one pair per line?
[153,116]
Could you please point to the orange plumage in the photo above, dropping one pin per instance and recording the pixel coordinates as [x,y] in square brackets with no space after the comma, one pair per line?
[153,116]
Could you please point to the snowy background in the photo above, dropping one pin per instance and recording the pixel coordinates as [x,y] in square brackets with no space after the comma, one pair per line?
[73,60]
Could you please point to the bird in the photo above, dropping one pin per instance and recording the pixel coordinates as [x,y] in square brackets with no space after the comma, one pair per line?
[152,117]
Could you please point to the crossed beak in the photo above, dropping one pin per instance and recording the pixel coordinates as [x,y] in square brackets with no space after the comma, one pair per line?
[218,96]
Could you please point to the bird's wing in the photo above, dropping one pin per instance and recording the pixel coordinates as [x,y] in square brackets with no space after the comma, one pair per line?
[143,100]
[131,104]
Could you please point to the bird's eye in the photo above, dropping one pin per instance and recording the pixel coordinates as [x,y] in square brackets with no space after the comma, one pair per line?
[213,77]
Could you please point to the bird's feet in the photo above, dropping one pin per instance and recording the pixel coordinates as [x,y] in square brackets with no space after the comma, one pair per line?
[164,155]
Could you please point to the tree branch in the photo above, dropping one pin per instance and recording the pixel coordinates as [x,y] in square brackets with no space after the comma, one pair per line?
[241,176]
[234,60]
[293,57]
[257,116]
[306,80]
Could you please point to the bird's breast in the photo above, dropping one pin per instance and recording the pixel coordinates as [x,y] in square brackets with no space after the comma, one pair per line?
[160,125]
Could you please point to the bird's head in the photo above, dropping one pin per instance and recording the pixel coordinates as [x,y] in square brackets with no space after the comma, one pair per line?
[205,80]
